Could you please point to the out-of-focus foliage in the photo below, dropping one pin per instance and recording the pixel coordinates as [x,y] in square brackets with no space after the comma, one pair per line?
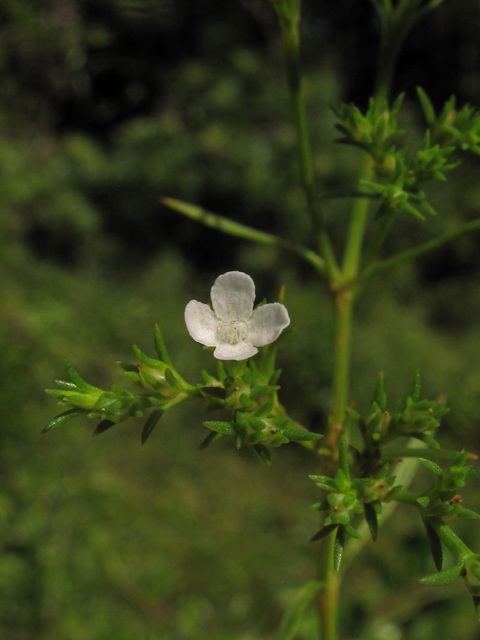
[101,113]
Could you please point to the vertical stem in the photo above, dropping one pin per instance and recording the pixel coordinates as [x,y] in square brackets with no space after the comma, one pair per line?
[327,602]
[291,42]
[344,308]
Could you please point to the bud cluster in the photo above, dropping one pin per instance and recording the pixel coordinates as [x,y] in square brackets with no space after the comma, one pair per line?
[398,181]
[248,390]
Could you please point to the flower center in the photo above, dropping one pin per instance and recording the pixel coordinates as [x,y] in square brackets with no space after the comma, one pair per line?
[232,332]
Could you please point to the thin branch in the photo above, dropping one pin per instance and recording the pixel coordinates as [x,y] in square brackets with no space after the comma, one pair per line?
[242,231]
[409,254]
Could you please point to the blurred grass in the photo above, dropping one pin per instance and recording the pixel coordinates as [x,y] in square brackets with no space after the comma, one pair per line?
[101,538]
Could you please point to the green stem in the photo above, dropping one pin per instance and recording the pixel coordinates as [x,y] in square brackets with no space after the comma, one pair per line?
[344,309]
[327,602]
[328,596]
[291,42]
[243,231]
[353,248]
[409,254]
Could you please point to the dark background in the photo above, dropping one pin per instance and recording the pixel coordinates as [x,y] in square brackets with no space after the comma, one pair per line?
[105,107]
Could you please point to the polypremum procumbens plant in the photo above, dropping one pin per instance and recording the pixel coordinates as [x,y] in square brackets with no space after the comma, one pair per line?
[358,485]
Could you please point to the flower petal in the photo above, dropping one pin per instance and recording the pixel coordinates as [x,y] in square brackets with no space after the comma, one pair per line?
[267,323]
[232,296]
[201,323]
[239,351]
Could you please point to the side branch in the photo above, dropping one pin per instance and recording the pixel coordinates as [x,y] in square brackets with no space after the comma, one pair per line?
[242,231]
[409,254]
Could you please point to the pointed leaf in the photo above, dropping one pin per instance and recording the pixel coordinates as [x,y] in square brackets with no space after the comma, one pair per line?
[151,423]
[299,435]
[338,548]
[210,439]
[127,366]
[466,513]
[323,532]
[432,466]
[68,386]
[63,417]
[321,506]
[415,390]
[379,395]
[225,428]
[103,426]
[443,577]
[424,437]
[427,107]
[121,392]
[265,409]
[172,380]
[77,380]
[371,518]
[160,346]
[264,453]
[435,545]
[353,533]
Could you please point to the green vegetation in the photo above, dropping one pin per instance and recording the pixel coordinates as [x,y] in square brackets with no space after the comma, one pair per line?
[100,537]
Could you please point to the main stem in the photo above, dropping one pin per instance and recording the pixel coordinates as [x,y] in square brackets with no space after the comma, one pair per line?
[291,42]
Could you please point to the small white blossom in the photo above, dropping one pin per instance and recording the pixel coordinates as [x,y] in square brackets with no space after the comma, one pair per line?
[233,327]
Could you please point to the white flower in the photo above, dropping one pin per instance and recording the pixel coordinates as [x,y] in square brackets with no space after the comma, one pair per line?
[233,327]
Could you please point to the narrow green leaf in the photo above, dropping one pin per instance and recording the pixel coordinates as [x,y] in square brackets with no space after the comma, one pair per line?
[258,392]
[127,366]
[435,545]
[299,435]
[225,428]
[59,393]
[423,501]
[415,390]
[151,423]
[338,548]
[371,518]
[433,466]
[264,409]
[63,417]
[324,480]
[68,386]
[296,610]
[264,453]
[172,380]
[134,377]
[160,346]
[210,393]
[427,107]
[321,506]
[353,533]
[210,439]
[323,532]
[379,395]
[466,513]
[443,578]
[121,392]
[103,426]
[424,437]
[77,380]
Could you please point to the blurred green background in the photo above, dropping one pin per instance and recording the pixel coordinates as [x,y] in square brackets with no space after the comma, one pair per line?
[106,105]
